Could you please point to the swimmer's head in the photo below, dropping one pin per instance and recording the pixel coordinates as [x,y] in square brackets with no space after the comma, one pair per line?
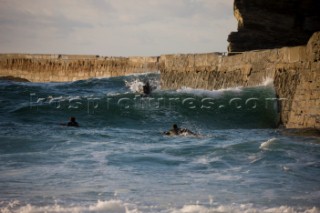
[72,119]
[175,126]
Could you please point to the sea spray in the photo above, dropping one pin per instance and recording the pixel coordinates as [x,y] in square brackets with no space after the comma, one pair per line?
[114,206]
[119,160]
[117,206]
[208,93]
[244,208]
[136,85]
[266,145]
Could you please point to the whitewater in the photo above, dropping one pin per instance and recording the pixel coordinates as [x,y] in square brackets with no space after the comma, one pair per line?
[120,161]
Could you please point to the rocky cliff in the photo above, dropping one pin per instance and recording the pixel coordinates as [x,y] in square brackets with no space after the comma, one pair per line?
[267,24]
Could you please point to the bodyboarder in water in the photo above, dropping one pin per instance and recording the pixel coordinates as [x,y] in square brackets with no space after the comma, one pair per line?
[146,89]
[72,122]
[179,131]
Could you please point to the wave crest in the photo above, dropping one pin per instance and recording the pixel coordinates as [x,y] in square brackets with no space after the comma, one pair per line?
[242,208]
[114,206]
[266,145]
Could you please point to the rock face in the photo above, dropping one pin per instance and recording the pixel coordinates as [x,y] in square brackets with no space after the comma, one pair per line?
[59,68]
[294,70]
[267,24]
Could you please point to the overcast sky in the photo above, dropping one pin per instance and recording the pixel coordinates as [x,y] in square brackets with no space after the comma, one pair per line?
[115,27]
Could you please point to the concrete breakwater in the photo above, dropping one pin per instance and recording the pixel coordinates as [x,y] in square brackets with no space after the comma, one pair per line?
[295,72]
[60,68]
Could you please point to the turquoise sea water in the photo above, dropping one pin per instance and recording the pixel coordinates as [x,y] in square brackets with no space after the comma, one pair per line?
[119,160]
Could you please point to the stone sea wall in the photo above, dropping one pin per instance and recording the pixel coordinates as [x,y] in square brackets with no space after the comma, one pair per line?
[59,68]
[294,70]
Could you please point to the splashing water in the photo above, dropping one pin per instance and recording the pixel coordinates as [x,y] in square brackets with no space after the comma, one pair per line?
[118,160]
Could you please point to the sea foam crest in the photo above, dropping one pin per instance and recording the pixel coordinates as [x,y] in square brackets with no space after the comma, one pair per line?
[136,85]
[114,206]
[117,206]
[242,209]
[210,93]
[265,145]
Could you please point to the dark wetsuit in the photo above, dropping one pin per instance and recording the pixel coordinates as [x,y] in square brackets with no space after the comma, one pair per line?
[146,89]
[178,131]
[73,123]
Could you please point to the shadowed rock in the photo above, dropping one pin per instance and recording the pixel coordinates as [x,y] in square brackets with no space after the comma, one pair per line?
[268,24]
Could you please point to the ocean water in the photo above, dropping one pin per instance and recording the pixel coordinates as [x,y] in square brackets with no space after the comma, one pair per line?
[118,160]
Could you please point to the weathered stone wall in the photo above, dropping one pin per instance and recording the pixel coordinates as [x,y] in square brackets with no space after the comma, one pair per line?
[295,71]
[304,108]
[267,24]
[214,71]
[59,68]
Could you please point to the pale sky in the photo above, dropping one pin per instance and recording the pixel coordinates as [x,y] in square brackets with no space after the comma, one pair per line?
[115,27]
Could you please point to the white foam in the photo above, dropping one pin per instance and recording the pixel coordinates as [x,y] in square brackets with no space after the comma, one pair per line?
[135,85]
[286,168]
[243,208]
[210,93]
[203,160]
[117,206]
[191,209]
[114,206]
[265,145]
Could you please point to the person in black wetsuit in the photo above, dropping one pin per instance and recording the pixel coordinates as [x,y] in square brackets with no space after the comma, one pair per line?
[178,131]
[73,122]
[146,89]
[174,131]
